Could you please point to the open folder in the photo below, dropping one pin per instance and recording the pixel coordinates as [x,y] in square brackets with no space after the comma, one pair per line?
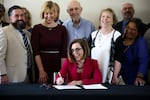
[92,86]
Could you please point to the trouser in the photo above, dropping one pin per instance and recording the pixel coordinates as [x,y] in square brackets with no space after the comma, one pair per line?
[28,78]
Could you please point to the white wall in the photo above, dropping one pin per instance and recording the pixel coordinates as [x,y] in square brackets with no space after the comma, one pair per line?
[91,8]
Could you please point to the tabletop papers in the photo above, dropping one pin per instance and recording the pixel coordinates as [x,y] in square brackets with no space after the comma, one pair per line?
[92,86]
[60,87]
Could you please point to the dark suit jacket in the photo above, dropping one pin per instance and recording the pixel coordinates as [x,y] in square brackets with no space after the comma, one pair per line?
[118,26]
[4,23]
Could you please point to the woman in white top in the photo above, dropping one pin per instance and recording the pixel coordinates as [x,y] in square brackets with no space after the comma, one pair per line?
[101,39]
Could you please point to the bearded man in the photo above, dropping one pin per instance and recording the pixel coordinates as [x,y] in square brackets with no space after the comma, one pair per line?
[14,67]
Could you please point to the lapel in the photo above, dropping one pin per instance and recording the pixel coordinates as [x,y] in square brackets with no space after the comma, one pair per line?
[16,34]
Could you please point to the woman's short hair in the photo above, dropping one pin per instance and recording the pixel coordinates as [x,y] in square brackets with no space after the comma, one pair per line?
[84,45]
[48,5]
[115,19]
[57,10]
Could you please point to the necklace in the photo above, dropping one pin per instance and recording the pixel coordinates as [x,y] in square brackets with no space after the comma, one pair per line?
[127,43]
[50,28]
[80,64]
[79,70]
[79,67]
[126,48]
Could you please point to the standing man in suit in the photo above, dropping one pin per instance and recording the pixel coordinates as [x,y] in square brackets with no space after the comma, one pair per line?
[2,12]
[13,52]
[128,12]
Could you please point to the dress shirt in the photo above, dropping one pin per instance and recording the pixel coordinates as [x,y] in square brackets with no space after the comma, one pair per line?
[83,30]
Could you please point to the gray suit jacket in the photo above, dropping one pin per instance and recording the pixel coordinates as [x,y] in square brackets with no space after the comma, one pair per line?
[13,54]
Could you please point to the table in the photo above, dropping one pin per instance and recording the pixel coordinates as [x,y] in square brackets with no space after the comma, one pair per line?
[36,92]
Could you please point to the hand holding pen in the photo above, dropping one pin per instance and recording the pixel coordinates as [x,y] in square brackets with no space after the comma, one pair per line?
[60,79]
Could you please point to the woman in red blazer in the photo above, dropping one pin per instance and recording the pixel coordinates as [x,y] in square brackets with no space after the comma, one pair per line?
[79,68]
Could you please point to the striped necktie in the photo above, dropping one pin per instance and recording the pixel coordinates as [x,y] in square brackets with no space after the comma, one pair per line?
[26,43]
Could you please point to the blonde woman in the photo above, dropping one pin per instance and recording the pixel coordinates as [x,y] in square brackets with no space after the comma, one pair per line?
[101,39]
[49,41]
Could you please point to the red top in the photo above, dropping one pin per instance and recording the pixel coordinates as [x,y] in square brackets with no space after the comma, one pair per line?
[89,75]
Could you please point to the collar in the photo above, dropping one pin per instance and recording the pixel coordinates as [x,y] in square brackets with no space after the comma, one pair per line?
[77,25]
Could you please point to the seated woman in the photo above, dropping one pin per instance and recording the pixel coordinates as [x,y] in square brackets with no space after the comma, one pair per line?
[131,57]
[79,68]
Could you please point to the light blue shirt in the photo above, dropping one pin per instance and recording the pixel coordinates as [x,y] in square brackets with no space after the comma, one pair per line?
[84,29]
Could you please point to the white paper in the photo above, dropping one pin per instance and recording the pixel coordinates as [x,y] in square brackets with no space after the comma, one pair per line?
[94,86]
[60,87]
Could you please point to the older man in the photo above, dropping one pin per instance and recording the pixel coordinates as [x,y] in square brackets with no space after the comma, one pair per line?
[77,26]
[128,12]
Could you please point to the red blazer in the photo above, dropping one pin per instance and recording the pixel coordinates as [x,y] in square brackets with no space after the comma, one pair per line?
[91,73]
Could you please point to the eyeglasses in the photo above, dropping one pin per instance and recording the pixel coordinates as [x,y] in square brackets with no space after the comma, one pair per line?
[75,50]
[131,29]
[76,9]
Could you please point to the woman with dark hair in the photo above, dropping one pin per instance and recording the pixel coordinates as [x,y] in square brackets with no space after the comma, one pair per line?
[131,55]
[79,68]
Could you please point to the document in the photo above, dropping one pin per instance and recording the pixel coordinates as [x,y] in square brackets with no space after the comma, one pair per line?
[91,86]
[94,86]
[61,87]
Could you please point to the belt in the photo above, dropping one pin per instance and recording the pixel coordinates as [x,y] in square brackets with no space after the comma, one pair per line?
[49,51]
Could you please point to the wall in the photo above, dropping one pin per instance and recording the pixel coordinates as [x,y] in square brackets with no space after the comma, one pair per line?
[91,8]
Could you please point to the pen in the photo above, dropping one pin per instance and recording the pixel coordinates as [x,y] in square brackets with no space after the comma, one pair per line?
[60,79]
[80,86]
[59,74]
